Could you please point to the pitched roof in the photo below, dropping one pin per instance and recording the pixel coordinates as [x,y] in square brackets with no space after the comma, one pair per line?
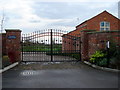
[96,16]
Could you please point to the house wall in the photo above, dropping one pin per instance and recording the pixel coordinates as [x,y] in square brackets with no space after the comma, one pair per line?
[90,42]
[94,23]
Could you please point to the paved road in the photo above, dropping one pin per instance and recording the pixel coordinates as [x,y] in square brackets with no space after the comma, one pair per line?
[83,77]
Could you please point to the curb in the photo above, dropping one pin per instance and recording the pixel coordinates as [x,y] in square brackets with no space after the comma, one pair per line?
[101,68]
[9,67]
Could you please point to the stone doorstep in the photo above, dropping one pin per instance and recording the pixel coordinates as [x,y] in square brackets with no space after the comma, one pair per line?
[102,68]
[9,67]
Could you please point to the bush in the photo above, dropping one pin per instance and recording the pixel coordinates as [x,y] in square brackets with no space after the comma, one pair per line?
[115,62]
[76,56]
[5,61]
[103,62]
[97,57]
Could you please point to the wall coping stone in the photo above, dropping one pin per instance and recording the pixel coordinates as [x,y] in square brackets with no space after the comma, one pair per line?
[10,30]
[103,31]
[2,33]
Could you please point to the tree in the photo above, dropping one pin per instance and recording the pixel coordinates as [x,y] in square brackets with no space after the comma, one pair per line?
[2,21]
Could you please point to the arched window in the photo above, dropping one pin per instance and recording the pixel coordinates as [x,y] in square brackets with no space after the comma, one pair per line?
[104,26]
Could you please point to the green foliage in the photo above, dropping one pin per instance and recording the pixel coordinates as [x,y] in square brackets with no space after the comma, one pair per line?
[103,62]
[97,57]
[76,56]
[5,58]
[5,61]
[98,54]
[115,59]
[100,57]
[114,55]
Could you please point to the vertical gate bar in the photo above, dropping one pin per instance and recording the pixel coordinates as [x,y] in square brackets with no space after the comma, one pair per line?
[49,37]
[43,51]
[25,49]
[43,46]
[58,39]
[40,44]
[51,47]
[57,42]
[34,45]
[40,53]
[28,54]
[37,44]
[26,46]
[31,45]
[22,46]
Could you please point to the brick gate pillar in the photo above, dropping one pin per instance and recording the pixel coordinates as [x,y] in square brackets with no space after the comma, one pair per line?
[13,46]
[84,44]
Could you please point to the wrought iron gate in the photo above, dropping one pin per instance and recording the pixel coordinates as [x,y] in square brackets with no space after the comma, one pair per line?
[48,45]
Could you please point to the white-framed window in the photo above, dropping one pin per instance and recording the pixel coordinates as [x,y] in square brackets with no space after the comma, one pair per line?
[104,26]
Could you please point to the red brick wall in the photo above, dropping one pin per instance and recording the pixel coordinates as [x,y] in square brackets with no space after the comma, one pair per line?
[13,45]
[91,41]
[84,44]
[97,41]
[67,45]
[70,43]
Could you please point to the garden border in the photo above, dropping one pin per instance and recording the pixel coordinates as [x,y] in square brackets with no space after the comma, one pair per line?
[101,68]
[9,67]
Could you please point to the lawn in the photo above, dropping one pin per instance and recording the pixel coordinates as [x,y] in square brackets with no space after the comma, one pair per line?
[41,48]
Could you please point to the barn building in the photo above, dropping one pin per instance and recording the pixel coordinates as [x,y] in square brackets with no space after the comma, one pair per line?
[90,34]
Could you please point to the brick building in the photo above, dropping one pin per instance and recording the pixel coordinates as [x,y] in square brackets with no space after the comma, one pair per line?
[89,34]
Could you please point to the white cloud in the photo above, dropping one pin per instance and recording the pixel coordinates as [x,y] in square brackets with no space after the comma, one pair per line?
[21,14]
[77,0]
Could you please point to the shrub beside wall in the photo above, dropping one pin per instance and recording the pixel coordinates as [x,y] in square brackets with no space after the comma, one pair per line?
[5,61]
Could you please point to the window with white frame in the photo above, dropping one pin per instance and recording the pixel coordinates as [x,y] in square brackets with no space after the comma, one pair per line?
[104,26]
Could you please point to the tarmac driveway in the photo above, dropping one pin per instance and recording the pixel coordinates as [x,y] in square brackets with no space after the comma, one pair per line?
[81,76]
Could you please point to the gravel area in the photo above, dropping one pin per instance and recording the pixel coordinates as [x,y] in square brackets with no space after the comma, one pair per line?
[49,65]
[41,56]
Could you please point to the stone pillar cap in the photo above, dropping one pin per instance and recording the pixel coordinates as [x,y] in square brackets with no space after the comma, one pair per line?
[15,30]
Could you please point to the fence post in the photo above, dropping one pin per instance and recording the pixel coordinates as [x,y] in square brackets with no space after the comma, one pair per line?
[108,59]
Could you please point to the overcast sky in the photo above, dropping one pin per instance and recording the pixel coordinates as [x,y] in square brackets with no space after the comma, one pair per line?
[33,15]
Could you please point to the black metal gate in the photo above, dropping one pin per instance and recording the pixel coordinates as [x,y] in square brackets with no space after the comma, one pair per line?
[48,45]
